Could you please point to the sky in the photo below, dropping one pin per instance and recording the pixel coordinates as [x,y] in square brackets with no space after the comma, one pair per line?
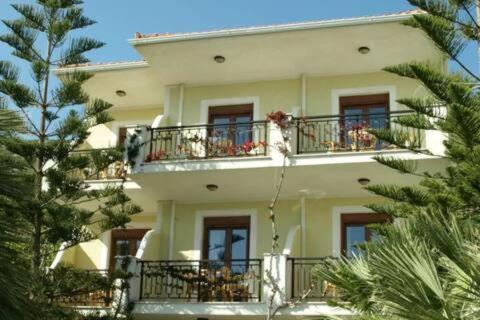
[118,20]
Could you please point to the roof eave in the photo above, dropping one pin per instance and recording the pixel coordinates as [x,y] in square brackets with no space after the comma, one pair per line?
[101,67]
[271,29]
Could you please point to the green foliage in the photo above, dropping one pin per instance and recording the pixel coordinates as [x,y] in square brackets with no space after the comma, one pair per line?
[14,277]
[47,167]
[426,264]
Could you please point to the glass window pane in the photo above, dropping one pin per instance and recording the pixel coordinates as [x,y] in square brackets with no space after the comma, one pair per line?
[216,244]
[239,250]
[122,247]
[353,236]
[353,122]
[243,130]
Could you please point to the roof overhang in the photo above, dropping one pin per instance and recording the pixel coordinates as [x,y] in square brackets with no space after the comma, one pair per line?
[324,48]
[298,26]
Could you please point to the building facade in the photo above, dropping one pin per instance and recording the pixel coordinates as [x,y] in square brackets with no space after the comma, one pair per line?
[209,160]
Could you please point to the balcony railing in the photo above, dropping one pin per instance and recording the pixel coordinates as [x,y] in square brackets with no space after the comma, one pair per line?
[87,298]
[105,163]
[208,141]
[201,280]
[303,280]
[345,133]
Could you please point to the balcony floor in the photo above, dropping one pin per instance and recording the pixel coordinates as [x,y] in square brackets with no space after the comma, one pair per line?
[229,310]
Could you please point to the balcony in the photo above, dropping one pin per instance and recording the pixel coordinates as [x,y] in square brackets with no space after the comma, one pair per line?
[201,281]
[343,133]
[100,164]
[85,297]
[207,141]
[310,135]
[233,281]
[303,281]
[169,288]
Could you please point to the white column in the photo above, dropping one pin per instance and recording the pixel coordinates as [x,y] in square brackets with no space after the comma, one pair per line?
[303,226]
[181,100]
[172,231]
[275,270]
[129,265]
[303,78]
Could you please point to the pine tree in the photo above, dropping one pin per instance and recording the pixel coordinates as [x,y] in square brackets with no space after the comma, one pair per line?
[57,118]
[426,265]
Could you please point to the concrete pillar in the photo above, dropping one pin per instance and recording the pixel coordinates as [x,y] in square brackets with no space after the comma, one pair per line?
[128,289]
[275,270]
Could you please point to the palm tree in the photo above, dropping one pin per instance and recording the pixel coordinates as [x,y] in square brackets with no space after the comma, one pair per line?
[13,271]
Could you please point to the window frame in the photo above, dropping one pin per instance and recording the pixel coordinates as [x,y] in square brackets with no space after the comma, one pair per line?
[228,223]
[124,234]
[364,102]
[231,112]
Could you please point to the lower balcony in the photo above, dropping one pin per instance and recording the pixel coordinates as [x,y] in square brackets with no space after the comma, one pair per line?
[228,289]
[201,281]
[84,297]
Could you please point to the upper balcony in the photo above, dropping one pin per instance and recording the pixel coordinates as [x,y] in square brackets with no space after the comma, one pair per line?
[313,136]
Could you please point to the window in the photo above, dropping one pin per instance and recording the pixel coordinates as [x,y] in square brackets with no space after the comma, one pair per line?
[361,112]
[125,242]
[226,239]
[355,230]
[231,124]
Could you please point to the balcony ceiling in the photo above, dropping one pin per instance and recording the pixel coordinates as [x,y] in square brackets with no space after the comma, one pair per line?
[277,55]
[238,185]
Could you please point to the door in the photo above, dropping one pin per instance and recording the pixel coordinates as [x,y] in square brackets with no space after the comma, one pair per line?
[227,241]
[357,114]
[230,127]
[355,230]
[125,242]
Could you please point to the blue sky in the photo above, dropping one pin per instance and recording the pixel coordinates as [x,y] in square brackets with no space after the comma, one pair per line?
[118,20]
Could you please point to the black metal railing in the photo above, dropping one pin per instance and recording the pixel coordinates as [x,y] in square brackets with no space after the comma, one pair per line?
[104,163]
[202,280]
[303,280]
[344,133]
[88,298]
[208,141]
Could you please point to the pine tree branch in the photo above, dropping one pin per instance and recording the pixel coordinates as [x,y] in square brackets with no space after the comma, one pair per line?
[30,121]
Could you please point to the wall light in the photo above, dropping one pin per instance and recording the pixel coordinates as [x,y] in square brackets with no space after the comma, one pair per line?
[121,93]
[219,59]
[363,181]
[212,187]
[364,50]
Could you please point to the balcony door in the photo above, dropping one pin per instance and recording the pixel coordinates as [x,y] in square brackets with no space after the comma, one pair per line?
[125,242]
[355,230]
[359,113]
[230,127]
[227,241]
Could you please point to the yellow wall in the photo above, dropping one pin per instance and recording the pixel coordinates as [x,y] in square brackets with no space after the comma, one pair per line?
[273,95]
[286,94]
[288,214]
[319,222]
[138,113]
[318,229]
